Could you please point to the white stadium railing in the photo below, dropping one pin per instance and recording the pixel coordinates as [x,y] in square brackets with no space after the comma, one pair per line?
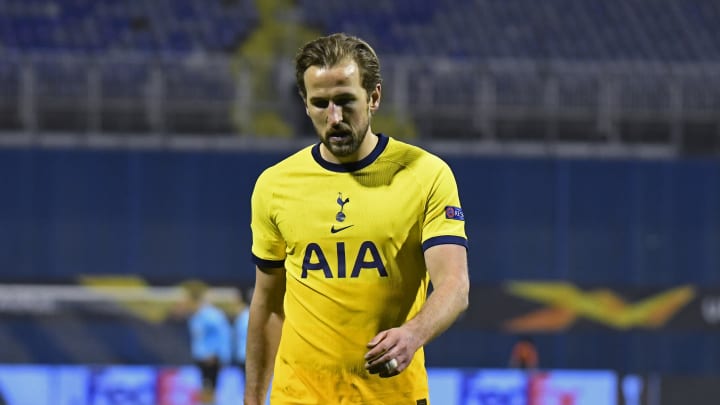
[500,106]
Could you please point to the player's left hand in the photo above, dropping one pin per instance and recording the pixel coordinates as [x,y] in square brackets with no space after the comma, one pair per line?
[391,351]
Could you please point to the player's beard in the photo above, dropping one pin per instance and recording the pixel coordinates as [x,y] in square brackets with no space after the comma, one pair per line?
[351,139]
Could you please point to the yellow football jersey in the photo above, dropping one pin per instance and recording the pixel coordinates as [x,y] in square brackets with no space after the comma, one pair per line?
[351,238]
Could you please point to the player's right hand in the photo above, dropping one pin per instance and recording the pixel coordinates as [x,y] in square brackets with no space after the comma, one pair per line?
[390,352]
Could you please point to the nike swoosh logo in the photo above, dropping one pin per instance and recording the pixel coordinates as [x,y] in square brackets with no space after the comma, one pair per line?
[336,230]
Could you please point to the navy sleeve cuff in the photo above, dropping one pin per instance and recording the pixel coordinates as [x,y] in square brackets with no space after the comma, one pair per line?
[267,264]
[444,240]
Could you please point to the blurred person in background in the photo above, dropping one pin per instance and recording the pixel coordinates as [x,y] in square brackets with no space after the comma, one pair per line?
[524,354]
[347,236]
[240,326]
[210,336]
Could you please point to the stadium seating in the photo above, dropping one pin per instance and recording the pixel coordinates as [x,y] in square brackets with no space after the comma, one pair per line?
[87,26]
[566,29]
[613,29]
[160,91]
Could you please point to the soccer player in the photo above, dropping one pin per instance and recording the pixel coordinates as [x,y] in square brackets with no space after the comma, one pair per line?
[524,354]
[210,337]
[347,236]
[240,326]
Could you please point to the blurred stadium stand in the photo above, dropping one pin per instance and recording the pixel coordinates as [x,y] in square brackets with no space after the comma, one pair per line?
[638,30]
[100,26]
[601,76]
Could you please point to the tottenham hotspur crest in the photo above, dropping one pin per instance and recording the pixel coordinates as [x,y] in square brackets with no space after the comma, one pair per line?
[340,216]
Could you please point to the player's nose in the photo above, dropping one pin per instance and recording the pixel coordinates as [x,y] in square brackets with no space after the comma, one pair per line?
[334,114]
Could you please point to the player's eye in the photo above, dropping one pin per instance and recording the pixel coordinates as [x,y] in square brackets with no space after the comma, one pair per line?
[344,102]
[319,103]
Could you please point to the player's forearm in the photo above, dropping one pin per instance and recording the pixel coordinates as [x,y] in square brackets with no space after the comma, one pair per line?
[442,308]
[448,269]
[264,332]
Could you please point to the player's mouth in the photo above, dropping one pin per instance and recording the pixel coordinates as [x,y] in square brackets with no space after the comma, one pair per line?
[339,136]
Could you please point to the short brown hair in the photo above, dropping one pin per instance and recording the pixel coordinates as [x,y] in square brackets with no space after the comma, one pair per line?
[332,49]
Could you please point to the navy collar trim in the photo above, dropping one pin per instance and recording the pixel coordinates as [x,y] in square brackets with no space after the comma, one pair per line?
[352,166]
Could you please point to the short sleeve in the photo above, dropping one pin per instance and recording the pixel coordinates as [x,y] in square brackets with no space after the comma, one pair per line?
[444,218]
[268,246]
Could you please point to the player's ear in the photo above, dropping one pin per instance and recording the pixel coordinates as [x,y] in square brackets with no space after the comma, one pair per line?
[375,98]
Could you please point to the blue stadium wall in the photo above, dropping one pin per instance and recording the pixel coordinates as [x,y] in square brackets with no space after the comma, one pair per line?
[169,216]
